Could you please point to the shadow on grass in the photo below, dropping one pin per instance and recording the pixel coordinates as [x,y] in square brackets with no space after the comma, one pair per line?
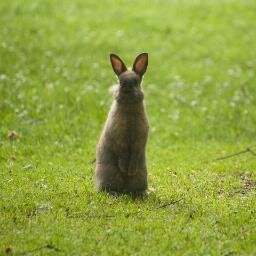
[146,202]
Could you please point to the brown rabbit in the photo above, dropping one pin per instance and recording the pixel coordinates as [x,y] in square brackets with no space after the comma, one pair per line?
[120,158]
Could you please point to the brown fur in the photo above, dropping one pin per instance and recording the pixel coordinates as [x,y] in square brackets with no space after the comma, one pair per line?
[120,157]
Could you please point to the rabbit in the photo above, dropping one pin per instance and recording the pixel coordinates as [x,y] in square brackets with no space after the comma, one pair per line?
[120,154]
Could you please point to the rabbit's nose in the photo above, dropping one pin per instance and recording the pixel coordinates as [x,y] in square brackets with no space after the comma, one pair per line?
[126,88]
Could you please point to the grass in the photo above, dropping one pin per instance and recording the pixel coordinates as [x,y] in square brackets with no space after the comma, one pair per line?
[200,96]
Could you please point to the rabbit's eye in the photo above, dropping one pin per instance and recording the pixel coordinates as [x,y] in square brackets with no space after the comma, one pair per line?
[129,82]
[135,82]
[124,84]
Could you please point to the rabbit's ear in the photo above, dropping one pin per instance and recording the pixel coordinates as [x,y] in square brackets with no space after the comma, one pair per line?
[117,64]
[140,64]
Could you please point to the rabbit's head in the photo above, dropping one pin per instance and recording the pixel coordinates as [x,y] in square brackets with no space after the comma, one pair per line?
[129,89]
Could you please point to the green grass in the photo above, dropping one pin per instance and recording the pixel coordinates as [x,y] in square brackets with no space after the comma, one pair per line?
[200,96]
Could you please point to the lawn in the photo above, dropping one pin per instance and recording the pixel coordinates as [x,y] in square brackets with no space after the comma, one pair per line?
[200,94]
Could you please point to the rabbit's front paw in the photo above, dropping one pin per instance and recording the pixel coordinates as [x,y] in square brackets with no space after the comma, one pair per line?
[133,167]
[123,163]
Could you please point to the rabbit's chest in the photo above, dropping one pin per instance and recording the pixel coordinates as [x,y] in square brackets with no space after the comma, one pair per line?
[128,130]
